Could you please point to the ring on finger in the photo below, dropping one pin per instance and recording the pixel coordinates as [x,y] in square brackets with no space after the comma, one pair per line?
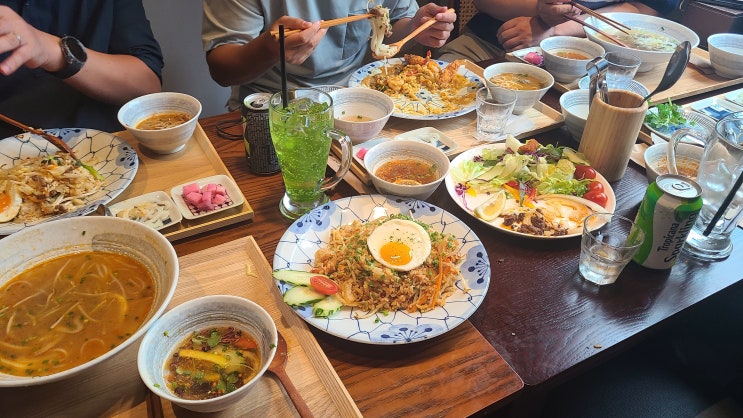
[20,40]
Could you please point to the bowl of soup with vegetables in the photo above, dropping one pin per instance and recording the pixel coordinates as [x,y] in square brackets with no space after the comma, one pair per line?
[528,81]
[75,292]
[161,122]
[206,354]
[565,57]
[406,167]
[651,38]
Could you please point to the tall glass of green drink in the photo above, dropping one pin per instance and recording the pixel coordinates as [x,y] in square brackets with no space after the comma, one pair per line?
[302,131]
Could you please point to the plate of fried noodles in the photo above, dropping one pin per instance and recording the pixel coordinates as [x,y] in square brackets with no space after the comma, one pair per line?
[387,306]
[421,88]
[52,185]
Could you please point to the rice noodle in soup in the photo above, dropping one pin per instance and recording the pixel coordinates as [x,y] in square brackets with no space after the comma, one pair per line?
[69,310]
[644,39]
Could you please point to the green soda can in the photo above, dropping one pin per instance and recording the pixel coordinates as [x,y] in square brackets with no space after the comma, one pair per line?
[666,215]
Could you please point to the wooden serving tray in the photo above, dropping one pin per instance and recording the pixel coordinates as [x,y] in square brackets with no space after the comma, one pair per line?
[197,160]
[698,78]
[115,389]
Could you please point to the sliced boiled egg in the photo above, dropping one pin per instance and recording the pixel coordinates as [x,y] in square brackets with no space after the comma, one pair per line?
[10,202]
[399,244]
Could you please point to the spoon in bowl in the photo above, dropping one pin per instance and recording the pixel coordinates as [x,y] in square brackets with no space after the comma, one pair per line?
[277,368]
[674,69]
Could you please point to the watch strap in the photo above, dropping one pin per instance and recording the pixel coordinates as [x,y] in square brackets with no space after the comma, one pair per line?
[74,56]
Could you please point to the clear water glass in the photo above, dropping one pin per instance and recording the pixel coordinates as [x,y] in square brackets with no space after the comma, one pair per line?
[622,68]
[608,243]
[493,114]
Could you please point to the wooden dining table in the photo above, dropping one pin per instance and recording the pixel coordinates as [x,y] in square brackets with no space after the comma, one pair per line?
[539,325]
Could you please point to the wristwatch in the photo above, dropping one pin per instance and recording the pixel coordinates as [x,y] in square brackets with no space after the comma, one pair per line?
[74,55]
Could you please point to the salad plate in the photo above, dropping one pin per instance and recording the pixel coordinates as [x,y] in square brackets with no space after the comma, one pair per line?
[408,108]
[297,247]
[112,157]
[685,119]
[471,162]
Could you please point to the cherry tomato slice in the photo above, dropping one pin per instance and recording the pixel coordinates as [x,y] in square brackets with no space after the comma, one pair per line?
[595,186]
[583,172]
[323,285]
[597,197]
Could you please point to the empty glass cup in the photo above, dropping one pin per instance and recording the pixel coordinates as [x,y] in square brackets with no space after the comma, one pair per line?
[493,114]
[622,68]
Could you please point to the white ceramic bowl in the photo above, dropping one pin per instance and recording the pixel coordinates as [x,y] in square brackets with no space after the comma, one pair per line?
[31,246]
[361,113]
[726,54]
[180,322]
[638,20]
[402,148]
[574,108]
[525,98]
[567,70]
[633,86]
[687,160]
[161,141]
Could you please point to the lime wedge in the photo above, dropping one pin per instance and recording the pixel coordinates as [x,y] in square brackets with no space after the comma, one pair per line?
[491,208]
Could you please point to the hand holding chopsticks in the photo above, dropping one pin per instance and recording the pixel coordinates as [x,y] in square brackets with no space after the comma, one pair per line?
[619,25]
[327,23]
[590,26]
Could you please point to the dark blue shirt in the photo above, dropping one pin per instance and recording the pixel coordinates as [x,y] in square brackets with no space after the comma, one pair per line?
[110,26]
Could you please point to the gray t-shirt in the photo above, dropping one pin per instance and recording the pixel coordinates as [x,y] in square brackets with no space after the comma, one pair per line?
[344,49]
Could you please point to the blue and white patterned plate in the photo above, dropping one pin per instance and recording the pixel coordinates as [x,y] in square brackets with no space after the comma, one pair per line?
[703,124]
[406,108]
[110,155]
[296,250]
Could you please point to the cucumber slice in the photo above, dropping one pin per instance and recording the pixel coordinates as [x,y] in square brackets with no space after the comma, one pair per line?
[574,156]
[302,295]
[295,277]
[327,307]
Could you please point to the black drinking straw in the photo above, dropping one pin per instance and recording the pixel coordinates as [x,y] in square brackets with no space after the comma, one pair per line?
[282,54]
[724,205]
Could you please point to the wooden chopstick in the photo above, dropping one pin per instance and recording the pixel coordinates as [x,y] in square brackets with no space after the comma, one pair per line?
[327,23]
[588,25]
[56,141]
[619,25]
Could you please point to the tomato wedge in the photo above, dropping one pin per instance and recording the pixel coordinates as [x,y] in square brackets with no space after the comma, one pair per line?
[323,285]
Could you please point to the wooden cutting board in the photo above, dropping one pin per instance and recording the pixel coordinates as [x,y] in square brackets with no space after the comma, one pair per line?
[114,388]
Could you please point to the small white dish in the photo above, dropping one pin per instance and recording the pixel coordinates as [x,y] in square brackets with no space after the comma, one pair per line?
[521,54]
[715,107]
[167,215]
[234,196]
[433,137]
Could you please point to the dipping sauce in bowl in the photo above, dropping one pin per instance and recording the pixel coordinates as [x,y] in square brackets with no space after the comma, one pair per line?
[409,171]
[517,81]
[163,120]
[571,54]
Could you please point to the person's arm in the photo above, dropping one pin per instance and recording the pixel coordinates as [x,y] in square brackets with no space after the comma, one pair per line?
[234,63]
[104,77]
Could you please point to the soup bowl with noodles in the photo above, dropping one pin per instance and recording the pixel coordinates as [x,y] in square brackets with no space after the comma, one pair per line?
[528,81]
[406,168]
[565,57]
[651,38]
[161,122]
[75,292]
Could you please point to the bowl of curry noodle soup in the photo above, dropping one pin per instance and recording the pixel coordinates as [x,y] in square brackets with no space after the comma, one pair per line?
[162,122]
[528,81]
[565,57]
[651,38]
[206,354]
[75,292]
[406,168]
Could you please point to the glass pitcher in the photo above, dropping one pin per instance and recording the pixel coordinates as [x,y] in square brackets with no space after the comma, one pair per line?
[720,166]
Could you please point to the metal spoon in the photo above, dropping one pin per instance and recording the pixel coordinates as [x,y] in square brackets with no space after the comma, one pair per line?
[277,368]
[674,69]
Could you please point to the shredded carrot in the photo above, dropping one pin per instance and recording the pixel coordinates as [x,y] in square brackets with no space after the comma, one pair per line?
[436,290]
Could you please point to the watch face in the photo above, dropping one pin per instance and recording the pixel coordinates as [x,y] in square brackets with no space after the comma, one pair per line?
[75,48]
